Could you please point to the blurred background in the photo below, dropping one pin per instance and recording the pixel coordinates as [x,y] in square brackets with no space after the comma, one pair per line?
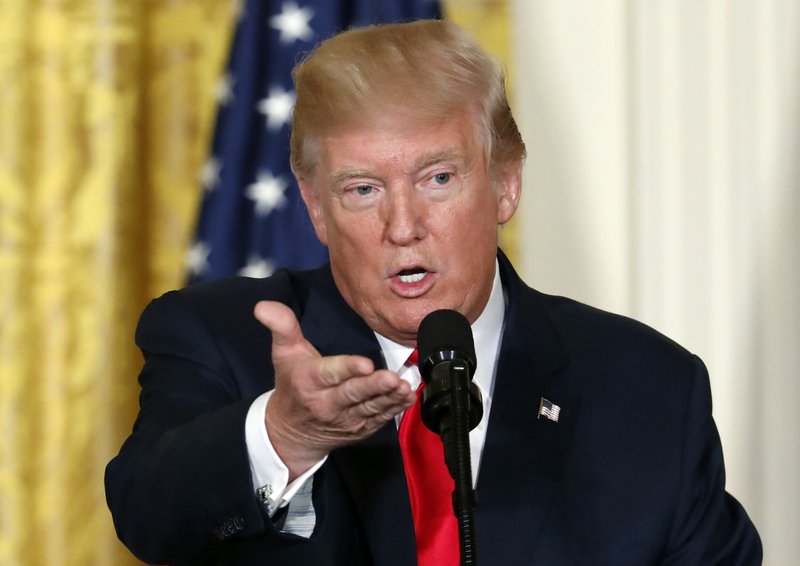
[661,183]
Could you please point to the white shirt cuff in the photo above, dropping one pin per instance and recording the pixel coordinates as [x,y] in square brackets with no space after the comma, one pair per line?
[270,474]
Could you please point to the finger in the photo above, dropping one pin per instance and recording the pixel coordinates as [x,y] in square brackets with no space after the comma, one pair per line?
[377,392]
[334,370]
[381,407]
[282,323]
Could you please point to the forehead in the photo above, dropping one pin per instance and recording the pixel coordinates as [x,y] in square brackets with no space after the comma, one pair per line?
[392,143]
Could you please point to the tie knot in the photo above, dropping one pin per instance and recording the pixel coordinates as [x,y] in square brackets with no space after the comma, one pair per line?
[413,358]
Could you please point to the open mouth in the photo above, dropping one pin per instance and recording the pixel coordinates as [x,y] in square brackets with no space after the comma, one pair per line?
[412,275]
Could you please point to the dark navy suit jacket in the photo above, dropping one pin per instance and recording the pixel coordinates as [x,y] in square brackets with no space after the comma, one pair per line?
[631,474]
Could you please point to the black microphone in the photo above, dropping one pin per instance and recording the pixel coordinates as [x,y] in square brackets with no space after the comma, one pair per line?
[446,348]
[451,407]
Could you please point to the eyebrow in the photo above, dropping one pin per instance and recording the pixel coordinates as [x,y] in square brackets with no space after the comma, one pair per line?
[437,157]
[343,175]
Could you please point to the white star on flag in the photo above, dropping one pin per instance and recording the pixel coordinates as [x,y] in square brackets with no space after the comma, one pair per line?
[257,267]
[292,22]
[197,258]
[267,192]
[209,174]
[277,107]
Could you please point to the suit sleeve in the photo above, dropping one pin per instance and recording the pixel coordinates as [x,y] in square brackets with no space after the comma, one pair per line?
[710,526]
[182,479]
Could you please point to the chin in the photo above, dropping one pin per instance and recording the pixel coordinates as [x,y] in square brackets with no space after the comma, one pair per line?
[402,328]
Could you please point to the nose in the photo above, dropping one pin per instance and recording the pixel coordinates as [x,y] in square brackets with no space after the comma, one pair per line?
[404,216]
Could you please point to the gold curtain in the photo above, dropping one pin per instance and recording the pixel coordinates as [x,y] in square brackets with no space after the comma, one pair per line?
[105,114]
[106,108]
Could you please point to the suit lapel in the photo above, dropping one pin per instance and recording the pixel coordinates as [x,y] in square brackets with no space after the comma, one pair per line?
[372,470]
[523,455]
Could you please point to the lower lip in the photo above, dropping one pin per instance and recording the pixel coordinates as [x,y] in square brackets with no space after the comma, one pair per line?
[410,290]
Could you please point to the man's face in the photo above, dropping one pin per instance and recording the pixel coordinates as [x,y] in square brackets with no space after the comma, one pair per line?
[410,219]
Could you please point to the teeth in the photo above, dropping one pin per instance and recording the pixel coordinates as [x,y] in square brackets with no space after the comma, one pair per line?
[413,278]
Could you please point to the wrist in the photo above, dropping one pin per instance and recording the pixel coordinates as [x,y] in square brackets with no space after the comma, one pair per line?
[298,456]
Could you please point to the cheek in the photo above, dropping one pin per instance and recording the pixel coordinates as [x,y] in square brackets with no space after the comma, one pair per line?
[354,238]
[480,217]
[475,234]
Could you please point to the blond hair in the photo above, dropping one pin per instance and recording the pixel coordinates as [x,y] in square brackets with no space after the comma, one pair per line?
[418,71]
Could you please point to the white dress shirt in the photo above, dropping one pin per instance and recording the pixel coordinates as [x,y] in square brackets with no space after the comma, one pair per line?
[270,474]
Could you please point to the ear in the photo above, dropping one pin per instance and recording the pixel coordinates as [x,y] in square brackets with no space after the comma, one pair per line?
[314,206]
[509,188]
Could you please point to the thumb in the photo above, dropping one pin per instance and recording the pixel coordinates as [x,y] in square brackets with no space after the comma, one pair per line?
[287,338]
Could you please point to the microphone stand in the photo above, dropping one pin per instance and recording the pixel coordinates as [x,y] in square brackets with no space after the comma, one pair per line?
[455,395]
[463,495]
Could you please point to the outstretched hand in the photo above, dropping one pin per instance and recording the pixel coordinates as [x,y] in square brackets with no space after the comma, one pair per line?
[321,403]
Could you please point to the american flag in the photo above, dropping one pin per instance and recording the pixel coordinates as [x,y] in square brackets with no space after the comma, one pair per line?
[252,220]
[548,409]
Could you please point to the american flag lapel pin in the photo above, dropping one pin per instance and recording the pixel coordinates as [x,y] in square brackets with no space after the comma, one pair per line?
[548,409]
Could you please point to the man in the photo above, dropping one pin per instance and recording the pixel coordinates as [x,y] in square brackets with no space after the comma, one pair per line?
[272,439]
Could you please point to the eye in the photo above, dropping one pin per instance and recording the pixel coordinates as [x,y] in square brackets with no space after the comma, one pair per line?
[361,195]
[442,178]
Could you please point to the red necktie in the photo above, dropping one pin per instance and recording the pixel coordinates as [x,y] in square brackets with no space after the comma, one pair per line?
[430,488]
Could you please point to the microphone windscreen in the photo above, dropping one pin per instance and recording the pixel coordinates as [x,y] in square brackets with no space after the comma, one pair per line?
[445,330]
